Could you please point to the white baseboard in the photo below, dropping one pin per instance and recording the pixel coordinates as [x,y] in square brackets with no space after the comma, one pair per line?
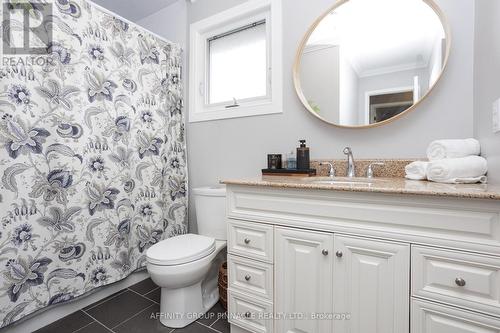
[45,317]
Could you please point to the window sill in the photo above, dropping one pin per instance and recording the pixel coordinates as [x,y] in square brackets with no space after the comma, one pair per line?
[237,112]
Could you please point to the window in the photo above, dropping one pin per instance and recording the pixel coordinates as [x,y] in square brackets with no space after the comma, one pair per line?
[235,70]
[238,68]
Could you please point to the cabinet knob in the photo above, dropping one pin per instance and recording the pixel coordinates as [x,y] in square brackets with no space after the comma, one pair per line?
[339,254]
[460,282]
[247,277]
[325,252]
[247,241]
[247,314]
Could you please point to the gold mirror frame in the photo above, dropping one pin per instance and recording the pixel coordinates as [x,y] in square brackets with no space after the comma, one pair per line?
[303,43]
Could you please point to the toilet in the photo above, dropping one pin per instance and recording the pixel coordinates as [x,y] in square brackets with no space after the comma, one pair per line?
[186,266]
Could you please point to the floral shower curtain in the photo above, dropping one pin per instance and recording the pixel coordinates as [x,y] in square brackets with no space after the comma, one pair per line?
[92,159]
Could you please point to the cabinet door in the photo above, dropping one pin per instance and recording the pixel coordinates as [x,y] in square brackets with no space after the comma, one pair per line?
[303,280]
[371,286]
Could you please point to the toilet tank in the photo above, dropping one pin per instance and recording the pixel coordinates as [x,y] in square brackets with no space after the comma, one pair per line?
[210,205]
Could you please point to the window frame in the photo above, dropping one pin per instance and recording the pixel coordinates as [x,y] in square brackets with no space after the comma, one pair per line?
[239,16]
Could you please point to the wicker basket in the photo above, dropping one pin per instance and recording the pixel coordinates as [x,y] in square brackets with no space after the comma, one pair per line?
[223,285]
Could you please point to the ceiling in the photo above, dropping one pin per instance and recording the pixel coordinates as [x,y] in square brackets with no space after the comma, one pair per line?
[134,10]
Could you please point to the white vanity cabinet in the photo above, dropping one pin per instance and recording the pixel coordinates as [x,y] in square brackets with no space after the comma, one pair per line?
[314,261]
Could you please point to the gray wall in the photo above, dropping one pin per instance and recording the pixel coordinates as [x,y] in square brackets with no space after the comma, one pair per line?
[320,80]
[169,22]
[487,81]
[349,85]
[238,147]
[389,81]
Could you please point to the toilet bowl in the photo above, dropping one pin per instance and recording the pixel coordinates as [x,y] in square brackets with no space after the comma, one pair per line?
[188,281]
[186,266]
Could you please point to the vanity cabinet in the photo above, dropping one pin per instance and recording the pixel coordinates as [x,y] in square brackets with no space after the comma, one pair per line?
[314,261]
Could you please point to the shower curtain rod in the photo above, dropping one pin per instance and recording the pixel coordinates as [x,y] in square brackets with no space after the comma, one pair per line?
[130,22]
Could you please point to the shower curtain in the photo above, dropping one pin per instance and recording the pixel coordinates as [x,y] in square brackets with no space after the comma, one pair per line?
[92,159]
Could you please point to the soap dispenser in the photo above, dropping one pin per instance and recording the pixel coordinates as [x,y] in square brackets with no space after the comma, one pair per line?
[303,162]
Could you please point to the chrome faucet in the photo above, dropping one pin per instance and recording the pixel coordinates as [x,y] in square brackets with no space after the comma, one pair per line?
[369,170]
[331,169]
[351,170]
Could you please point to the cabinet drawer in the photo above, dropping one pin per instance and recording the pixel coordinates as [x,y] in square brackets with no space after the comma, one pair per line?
[251,276]
[250,240]
[250,313]
[427,317]
[461,279]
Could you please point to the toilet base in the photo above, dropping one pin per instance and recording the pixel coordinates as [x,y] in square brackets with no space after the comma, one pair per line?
[181,307]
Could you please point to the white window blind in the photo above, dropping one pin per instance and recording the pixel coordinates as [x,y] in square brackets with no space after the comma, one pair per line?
[238,66]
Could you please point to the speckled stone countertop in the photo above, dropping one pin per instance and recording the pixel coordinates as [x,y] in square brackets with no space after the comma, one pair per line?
[377,185]
[391,168]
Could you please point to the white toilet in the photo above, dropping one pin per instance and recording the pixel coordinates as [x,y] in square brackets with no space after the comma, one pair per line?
[186,267]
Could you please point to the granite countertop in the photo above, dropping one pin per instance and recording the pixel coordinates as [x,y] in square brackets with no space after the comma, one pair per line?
[379,185]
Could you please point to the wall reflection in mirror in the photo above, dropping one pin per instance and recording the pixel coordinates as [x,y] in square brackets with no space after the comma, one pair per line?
[368,61]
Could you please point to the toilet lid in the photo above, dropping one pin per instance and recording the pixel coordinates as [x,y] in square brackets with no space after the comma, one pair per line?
[180,249]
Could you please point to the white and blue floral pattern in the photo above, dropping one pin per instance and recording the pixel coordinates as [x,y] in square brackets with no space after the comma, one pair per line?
[92,160]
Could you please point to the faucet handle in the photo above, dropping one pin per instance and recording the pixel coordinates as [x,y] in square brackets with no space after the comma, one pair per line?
[331,170]
[347,150]
[369,170]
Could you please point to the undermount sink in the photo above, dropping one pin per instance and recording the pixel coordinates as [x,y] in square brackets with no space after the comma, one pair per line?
[345,180]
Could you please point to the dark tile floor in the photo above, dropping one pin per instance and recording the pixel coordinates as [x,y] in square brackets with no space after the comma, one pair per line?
[132,310]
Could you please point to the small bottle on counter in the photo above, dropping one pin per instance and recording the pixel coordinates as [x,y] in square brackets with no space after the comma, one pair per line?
[274,161]
[291,160]
[303,161]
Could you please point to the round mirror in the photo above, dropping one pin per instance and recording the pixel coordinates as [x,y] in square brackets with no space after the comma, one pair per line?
[367,62]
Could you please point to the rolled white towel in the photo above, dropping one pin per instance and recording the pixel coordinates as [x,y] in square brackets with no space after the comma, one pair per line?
[473,180]
[441,149]
[417,170]
[470,169]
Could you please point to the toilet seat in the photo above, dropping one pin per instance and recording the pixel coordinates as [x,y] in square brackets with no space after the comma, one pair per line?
[180,250]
